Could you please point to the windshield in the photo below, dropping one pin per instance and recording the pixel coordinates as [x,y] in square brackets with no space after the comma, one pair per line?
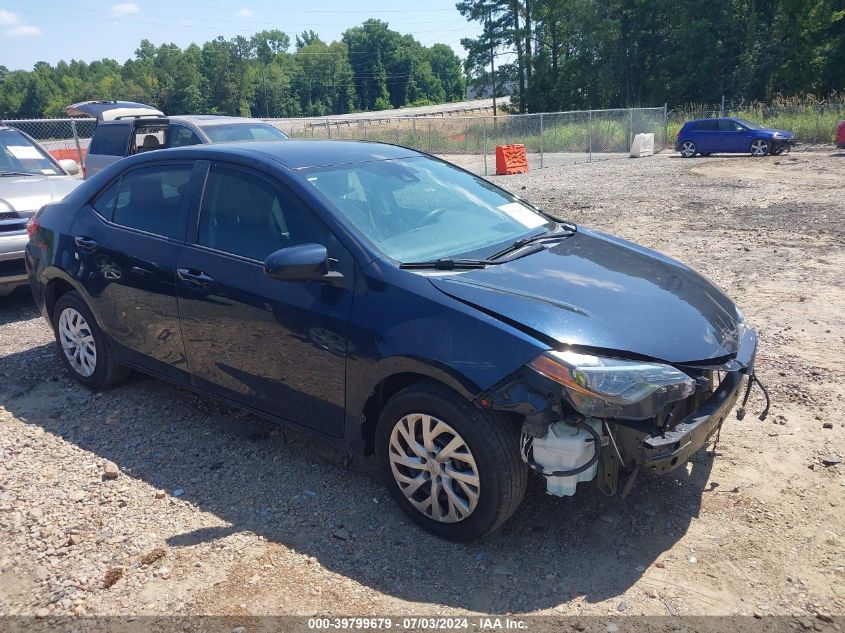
[230,132]
[750,125]
[422,209]
[19,154]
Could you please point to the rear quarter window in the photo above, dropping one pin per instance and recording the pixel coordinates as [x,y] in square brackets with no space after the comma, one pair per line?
[104,202]
[110,140]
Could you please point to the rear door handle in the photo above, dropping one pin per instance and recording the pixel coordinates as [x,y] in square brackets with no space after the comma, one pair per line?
[195,277]
[85,243]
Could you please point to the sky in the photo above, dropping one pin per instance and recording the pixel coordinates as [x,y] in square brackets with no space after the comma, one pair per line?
[52,30]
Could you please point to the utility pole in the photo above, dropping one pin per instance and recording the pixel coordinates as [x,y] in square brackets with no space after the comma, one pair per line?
[492,67]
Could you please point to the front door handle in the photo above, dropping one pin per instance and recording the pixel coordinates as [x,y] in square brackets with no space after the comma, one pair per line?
[195,277]
[85,243]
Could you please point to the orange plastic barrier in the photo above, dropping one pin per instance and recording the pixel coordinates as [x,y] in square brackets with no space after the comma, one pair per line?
[61,154]
[511,159]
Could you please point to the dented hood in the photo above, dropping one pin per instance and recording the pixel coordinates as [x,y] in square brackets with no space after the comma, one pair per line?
[599,291]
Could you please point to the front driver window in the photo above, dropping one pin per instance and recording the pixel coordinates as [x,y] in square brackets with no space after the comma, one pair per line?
[246,214]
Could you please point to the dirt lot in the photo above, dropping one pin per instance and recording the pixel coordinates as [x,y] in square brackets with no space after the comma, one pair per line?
[254,520]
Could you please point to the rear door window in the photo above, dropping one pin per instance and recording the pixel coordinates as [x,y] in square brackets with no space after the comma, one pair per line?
[153,199]
[110,140]
[709,126]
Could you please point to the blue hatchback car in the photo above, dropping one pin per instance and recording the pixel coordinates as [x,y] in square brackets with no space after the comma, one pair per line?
[396,305]
[731,136]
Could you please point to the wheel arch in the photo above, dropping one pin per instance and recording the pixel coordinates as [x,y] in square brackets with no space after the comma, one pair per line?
[397,374]
[57,284]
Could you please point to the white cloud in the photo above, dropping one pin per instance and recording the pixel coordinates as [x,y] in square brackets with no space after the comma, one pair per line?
[23,30]
[13,26]
[245,13]
[127,8]
[7,18]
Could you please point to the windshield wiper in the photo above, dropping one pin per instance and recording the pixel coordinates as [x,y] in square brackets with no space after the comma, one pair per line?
[568,231]
[447,263]
[17,173]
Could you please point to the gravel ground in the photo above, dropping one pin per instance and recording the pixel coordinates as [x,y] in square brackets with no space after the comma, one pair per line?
[148,499]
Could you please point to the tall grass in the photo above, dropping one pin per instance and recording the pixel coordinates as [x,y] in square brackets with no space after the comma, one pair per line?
[473,135]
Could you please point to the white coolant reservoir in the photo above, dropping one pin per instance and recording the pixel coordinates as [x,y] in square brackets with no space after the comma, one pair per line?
[566,447]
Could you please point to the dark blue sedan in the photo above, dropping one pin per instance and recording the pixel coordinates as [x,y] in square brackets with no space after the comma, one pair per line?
[731,136]
[396,305]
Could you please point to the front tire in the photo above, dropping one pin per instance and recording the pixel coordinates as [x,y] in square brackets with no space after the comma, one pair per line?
[688,149]
[759,147]
[454,469]
[82,346]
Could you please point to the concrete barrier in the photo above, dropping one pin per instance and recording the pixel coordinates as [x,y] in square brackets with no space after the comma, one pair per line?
[643,145]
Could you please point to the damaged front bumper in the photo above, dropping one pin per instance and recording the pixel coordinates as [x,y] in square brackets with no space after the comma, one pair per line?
[622,447]
[664,451]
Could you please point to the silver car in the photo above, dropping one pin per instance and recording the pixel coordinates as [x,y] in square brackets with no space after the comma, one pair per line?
[29,179]
[125,128]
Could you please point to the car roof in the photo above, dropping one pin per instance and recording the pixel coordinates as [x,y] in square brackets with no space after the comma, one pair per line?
[713,118]
[294,154]
[211,119]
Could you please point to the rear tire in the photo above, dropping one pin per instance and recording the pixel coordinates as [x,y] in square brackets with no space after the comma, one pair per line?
[82,346]
[468,457]
[688,149]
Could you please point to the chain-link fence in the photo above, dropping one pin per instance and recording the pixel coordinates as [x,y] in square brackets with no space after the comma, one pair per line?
[550,139]
[814,121]
[63,138]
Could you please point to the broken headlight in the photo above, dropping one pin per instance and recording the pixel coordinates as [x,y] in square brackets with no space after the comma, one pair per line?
[604,387]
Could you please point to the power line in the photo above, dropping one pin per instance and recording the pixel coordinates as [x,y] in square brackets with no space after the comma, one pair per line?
[308,11]
[130,18]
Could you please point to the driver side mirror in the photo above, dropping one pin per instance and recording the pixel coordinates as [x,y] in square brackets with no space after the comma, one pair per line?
[70,166]
[306,262]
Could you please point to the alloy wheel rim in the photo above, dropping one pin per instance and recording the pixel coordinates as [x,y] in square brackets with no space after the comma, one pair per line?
[434,468]
[77,342]
[688,148]
[758,147]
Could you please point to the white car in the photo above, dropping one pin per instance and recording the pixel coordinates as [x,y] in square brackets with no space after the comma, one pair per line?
[29,179]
